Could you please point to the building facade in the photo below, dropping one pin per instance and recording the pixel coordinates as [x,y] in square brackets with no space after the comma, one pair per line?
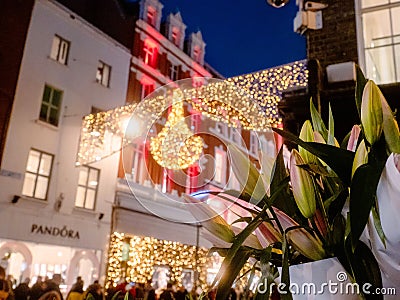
[55,216]
[359,32]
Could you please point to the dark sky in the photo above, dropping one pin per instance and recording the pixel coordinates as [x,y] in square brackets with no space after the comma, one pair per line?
[242,36]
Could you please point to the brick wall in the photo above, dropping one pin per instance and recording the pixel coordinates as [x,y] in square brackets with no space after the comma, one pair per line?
[336,42]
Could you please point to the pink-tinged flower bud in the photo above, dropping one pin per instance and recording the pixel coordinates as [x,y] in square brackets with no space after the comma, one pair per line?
[302,185]
[251,241]
[371,113]
[209,218]
[352,143]
[267,234]
[318,138]
[360,158]
[307,135]
[320,222]
[247,174]
[306,243]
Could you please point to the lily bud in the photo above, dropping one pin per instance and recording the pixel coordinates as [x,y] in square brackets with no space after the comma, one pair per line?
[371,113]
[306,243]
[284,219]
[251,241]
[209,218]
[307,135]
[267,164]
[318,138]
[390,127]
[247,174]
[360,158]
[319,222]
[352,143]
[302,185]
[267,234]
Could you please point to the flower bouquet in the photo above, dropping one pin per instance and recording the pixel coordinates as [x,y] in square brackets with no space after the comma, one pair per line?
[330,201]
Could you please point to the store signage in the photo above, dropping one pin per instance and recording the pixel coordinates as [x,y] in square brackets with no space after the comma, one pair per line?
[63,232]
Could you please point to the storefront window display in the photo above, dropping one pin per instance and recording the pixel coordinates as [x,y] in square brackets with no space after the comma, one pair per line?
[30,260]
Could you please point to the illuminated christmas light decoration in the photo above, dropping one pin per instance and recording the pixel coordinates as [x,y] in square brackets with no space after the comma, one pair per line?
[250,100]
[145,253]
[176,147]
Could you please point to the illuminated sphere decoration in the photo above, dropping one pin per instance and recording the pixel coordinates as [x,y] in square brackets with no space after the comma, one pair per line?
[176,147]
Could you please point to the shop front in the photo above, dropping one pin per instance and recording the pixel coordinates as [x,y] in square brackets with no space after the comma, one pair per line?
[150,241]
[37,245]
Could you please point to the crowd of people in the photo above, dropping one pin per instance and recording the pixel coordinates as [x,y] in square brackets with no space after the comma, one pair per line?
[47,289]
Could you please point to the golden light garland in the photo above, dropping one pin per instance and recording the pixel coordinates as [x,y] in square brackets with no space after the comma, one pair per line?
[249,100]
[176,147]
[146,253]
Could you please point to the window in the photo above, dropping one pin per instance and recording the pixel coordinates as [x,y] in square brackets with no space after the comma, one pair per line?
[175,37]
[60,50]
[235,135]
[51,105]
[381,29]
[87,187]
[254,144]
[103,74]
[222,128]
[150,53]
[37,174]
[220,166]
[173,72]
[233,182]
[197,54]
[147,89]
[151,16]
[138,163]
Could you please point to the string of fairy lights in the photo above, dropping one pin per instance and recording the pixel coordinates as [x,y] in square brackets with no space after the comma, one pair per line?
[145,253]
[249,100]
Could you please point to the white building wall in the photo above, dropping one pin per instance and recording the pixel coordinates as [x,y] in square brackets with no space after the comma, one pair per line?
[77,80]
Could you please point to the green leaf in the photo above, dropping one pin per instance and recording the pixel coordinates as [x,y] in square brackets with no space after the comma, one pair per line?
[360,84]
[242,219]
[285,278]
[317,169]
[283,200]
[366,268]
[115,296]
[339,160]
[231,271]
[318,123]
[336,203]
[126,296]
[345,141]
[362,198]
[331,130]
[378,226]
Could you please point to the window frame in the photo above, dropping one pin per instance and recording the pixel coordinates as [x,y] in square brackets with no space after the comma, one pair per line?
[37,174]
[222,166]
[363,49]
[50,105]
[149,55]
[87,187]
[151,16]
[100,73]
[62,42]
[144,92]
[174,72]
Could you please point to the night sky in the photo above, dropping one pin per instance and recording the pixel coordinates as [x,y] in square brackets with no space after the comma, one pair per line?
[242,36]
